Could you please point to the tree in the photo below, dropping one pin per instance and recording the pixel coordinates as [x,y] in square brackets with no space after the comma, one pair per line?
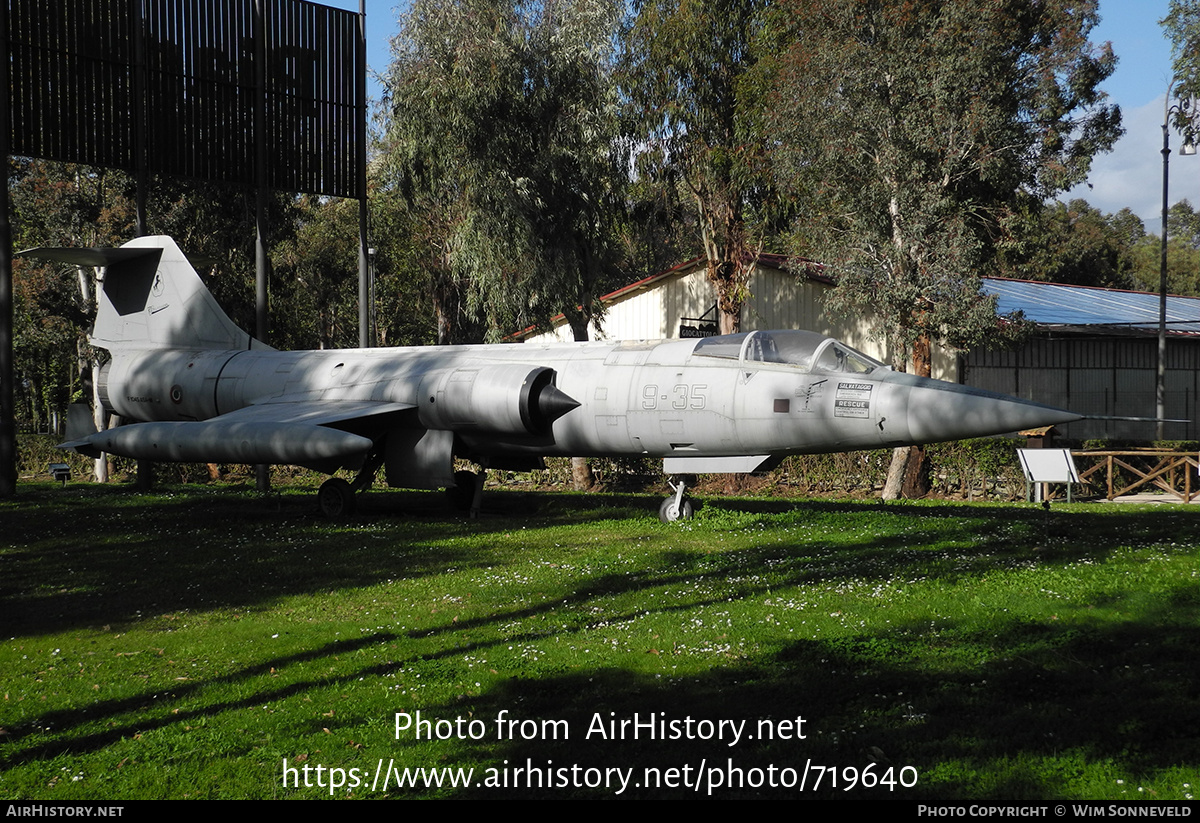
[401,305]
[58,204]
[695,108]
[1184,221]
[322,260]
[1182,28]
[503,138]
[912,127]
[1183,254]
[316,276]
[215,225]
[1069,243]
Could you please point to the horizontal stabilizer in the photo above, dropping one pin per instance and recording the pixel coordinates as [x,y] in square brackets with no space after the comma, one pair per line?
[80,422]
[98,257]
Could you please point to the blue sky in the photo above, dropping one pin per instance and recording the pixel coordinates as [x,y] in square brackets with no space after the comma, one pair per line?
[1130,175]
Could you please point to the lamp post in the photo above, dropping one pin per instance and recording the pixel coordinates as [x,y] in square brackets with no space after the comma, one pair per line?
[1184,111]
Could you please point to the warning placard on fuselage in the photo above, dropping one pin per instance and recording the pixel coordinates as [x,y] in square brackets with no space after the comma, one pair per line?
[853,400]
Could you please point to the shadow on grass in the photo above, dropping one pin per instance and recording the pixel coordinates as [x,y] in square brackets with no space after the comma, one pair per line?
[1006,728]
[1013,728]
[94,556]
[1024,727]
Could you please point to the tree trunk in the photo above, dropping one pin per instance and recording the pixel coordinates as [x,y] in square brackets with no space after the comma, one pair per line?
[922,357]
[908,474]
[916,474]
[729,278]
[581,473]
[894,486]
[445,305]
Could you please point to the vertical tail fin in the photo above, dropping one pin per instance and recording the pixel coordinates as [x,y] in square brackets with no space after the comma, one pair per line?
[152,298]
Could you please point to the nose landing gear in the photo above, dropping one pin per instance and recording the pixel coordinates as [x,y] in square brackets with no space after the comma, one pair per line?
[677,506]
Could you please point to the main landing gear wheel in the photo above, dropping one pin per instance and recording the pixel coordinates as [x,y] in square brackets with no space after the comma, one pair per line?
[670,511]
[467,492]
[459,495]
[336,498]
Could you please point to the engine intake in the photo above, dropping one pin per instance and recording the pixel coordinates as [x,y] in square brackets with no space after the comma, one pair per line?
[503,399]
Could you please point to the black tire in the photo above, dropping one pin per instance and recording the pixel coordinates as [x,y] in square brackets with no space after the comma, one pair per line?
[336,498]
[462,493]
[668,514]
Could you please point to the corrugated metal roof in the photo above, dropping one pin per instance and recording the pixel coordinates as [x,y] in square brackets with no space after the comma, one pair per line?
[1081,307]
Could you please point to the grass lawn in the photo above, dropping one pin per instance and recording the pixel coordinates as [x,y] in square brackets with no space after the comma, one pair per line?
[207,642]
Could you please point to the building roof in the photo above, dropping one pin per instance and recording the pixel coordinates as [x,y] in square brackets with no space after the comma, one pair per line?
[1085,308]
[1052,306]
[797,265]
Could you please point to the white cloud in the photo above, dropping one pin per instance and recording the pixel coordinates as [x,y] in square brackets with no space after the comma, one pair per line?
[1131,174]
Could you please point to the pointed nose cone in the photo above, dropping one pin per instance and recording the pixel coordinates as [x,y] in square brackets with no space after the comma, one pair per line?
[549,404]
[938,411]
[553,403]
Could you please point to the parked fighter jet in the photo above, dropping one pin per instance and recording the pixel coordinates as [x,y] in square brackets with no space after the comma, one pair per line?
[204,390]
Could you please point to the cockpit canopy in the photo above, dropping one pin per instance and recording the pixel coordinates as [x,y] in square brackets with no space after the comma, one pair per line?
[802,350]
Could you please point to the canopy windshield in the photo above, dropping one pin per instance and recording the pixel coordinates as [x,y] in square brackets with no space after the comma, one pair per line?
[803,350]
[727,346]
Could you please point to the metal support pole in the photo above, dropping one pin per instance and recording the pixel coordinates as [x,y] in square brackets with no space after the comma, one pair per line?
[8,408]
[262,472]
[364,288]
[1160,377]
[141,158]
[145,468]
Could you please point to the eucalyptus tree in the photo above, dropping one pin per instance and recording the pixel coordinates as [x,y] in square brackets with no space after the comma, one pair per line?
[502,137]
[911,128]
[503,140]
[1070,242]
[695,112]
[1182,27]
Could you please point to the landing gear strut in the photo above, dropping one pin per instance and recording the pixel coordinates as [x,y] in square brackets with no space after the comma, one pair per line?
[677,506]
[337,498]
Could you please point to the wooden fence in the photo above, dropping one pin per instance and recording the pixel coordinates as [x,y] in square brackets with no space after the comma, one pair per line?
[1126,472]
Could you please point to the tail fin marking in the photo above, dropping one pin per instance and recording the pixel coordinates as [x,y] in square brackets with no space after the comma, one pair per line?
[153,298]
